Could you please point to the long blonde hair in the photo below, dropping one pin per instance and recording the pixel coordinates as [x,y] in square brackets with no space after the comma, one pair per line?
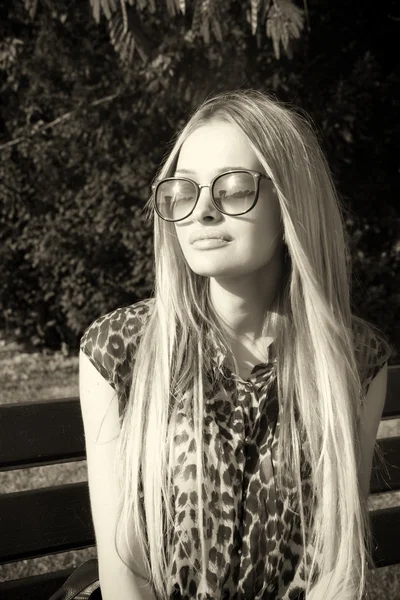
[317,369]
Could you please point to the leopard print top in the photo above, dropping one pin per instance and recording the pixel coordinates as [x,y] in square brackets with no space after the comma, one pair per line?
[257,553]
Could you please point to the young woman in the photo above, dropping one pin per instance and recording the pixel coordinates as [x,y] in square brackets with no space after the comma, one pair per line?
[230,420]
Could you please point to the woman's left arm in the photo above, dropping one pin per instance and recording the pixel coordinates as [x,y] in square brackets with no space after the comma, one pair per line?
[370,417]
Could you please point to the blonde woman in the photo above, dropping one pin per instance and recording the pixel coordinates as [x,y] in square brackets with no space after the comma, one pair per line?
[230,420]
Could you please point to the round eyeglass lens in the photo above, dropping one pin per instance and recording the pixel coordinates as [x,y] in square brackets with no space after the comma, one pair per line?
[234,193]
[175,199]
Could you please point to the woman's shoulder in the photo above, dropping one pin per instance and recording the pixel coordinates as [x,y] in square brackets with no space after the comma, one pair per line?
[111,338]
[121,323]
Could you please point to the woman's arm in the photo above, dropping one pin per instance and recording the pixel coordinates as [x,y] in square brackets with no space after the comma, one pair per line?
[117,581]
[370,417]
[99,407]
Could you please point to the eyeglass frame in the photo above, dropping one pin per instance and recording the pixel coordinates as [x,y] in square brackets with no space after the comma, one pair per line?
[198,187]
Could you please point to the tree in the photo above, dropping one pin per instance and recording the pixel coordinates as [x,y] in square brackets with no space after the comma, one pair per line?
[84,133]
[282,19]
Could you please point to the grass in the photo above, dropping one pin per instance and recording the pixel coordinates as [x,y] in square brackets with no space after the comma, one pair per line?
[35,376]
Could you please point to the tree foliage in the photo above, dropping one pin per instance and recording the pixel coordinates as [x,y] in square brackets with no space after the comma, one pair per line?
[84,132]
[281,20]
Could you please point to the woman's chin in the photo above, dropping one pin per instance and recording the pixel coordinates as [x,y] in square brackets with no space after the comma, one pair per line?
[215,271]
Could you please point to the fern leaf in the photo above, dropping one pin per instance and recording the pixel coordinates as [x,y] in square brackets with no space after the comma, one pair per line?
[124,16]
[273,28]
[116,30]
[142,54]
[216,20]
[121,39]
[205,7]
[95,4]
[254,11]
[216,28]
[205,20]
[128,38]
[272,32]
[205,30]
[171,7]
[290,13]
[285,36]
[109,7]
[294,29]
[31,6]
[196,21]
[174,6]
[129,50]
[285,20]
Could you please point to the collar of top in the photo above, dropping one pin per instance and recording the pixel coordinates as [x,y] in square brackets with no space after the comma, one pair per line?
[217,355]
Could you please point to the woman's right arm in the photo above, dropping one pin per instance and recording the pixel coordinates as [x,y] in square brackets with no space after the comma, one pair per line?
[99,406]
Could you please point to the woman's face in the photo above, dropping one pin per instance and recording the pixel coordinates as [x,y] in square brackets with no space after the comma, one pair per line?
[253,238]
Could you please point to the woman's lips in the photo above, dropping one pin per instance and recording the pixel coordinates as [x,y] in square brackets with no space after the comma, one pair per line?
[210,243]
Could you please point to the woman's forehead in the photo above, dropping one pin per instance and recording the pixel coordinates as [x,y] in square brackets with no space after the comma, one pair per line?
[214,145]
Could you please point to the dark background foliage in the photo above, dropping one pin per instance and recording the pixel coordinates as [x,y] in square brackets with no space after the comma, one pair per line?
[83,134]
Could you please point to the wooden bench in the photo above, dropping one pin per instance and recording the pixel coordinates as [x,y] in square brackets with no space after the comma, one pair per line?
[55,519]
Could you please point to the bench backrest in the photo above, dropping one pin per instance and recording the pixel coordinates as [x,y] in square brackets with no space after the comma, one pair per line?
[36,523]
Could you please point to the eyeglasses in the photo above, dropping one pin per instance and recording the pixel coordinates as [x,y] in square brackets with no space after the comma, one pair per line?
[233,193]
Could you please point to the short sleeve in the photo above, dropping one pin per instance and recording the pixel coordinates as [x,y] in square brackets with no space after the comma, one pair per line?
[110,342]
[372,352]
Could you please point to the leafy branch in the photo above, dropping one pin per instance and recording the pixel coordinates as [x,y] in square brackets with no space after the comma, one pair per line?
[283,21]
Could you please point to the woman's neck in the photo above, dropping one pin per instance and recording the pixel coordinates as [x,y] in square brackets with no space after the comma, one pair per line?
[242,303]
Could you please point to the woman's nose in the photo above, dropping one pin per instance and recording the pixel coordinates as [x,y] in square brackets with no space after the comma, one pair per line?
[205,207]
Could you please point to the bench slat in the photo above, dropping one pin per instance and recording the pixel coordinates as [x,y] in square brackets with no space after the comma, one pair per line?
[44,433]
[51,520]
[392,400]
[41,433]
[37,587]
[45,521]
[73,448]
[387,478]
[385,524]
[385,527]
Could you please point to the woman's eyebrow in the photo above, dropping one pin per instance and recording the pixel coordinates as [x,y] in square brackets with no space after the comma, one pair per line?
[221,170]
